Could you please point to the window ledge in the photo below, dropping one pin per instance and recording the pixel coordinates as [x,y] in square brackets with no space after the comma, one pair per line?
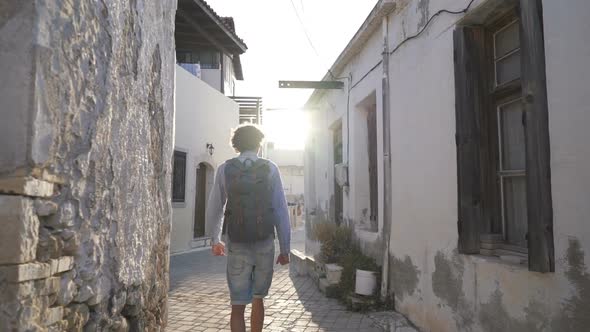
[178,205]
[493,246]
[504,261]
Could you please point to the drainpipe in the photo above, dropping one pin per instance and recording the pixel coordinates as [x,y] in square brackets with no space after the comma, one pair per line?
[387,212]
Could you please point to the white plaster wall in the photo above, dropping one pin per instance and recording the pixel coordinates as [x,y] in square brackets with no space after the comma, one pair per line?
[203,115]
[424,201]
[329,111]
[212,77]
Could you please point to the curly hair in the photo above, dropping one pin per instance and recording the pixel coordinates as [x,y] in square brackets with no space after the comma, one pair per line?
[247,137]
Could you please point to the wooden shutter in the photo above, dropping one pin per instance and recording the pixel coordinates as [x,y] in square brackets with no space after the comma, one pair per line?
[538,169]
[373,178]
[469,57]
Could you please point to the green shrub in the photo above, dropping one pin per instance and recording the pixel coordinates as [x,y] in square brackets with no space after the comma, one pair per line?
[336,241]
[337,246]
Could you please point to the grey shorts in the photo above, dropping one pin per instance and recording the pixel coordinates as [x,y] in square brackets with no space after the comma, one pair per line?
[250,267]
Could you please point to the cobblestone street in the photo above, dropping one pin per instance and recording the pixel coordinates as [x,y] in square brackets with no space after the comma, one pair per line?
[199,299]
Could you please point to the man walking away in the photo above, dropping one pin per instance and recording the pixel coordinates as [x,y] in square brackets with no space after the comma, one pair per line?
[248,203]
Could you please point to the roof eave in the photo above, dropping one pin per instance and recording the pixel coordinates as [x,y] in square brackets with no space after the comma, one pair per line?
[354,46]
[208,10]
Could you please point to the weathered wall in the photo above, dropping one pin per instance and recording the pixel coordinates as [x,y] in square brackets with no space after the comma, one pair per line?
[212,77]
[85,171]
[437,288]
[197,101]
[324,117]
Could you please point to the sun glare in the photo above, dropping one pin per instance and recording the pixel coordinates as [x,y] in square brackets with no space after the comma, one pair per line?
[287,129]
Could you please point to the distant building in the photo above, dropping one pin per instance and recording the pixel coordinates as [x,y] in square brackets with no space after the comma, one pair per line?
[207,46]
[290,163]
[489,192]
[209,41]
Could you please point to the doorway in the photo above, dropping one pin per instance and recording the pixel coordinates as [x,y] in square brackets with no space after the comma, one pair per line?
[337,156]
[201,193]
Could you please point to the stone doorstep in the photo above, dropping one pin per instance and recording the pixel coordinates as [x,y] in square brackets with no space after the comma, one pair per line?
[62,264]
[26,186]
[25,272]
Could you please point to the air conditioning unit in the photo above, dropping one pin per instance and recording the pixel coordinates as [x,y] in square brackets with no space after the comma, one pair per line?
[341,174]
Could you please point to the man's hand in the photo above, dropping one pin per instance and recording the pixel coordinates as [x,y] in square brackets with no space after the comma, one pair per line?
[283,259]
[218,249]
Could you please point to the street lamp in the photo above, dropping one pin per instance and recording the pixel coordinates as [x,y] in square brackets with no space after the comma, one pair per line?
[210,148]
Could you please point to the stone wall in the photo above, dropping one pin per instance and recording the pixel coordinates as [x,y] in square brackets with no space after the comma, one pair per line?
[87,134]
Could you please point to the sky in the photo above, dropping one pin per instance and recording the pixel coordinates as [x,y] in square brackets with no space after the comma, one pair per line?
[278,49]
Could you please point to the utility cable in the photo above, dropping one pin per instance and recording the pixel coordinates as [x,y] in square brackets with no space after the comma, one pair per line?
[308,37]
[442,11]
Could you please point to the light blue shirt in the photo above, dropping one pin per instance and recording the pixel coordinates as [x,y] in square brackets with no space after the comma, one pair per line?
[218,198]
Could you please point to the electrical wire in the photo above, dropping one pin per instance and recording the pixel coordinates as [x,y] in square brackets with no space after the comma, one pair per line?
[442,11]
[366,74]
[308,37]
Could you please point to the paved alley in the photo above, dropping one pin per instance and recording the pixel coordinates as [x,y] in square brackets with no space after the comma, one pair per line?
[199,299]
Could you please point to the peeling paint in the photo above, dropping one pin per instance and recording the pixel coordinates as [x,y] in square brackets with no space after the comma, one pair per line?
[574,315]
[494,316]
[423,10]
[403,276]
[447,284]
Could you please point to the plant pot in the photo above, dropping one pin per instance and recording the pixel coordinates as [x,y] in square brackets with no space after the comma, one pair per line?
[366,282]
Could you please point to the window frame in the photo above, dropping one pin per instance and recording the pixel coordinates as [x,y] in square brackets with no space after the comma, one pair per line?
[497,96]
[477,136]
[182,181]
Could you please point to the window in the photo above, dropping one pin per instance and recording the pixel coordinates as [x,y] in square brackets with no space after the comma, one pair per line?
[502,138]
[207,59]
[178,177]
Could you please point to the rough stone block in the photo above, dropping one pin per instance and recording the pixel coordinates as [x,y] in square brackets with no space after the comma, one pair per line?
[21,306]
[61,264]
[76,315]
[20,230]
[49,286]
[50,246]
[45,208]
[26,186]
[85,292]
[67,292]
[60,326]
[24,272]
[53,315]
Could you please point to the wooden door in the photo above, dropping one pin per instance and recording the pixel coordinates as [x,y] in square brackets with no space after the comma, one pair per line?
[200,201]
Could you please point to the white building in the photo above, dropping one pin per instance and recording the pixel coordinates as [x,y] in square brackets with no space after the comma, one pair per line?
[290,163]
[488,230]
[204,115]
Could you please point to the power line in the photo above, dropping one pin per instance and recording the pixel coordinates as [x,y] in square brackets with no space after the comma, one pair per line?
[465,10]
[308,37]
[304,29]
